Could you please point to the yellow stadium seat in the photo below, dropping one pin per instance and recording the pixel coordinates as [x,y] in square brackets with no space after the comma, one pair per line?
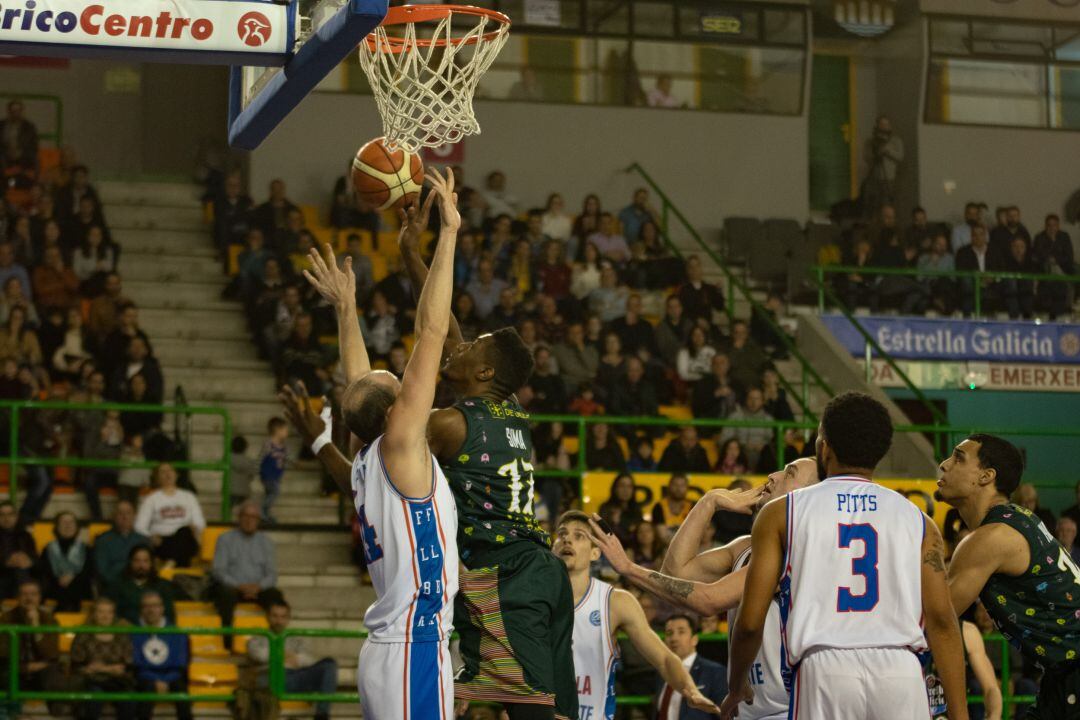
[96,530]
[198,621]
[209,541]
[624,445]
[213,674]
[68,619]
[712,452]
[379,268]
[570,444]
[43,535]
[295,705]
[234,258]
[676,412]
[204,645]
[325,235]
[249,609]
[193,607]
[250,621]
[200,708]
[387,241]
[311,216]
[409,341]
[169,573]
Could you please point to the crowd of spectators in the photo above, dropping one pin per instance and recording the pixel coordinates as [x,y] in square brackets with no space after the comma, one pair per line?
[976,245]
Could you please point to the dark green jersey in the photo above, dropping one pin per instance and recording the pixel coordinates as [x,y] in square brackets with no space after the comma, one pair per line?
[1037,612]
[492,477]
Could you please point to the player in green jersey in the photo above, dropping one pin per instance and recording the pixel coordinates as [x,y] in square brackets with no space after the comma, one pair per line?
[1027,582]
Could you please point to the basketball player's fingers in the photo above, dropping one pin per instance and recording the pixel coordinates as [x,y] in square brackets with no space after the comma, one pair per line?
[315,282]
[429,202]
[450,179]
[347,268]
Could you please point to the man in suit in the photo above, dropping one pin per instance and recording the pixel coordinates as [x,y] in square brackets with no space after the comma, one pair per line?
[977,256]
[680,633]
[18,141]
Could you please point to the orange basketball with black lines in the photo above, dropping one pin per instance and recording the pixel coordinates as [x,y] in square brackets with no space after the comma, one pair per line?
[386,178]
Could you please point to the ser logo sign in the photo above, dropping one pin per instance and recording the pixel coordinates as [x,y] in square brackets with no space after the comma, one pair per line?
[254,29]
[721,23]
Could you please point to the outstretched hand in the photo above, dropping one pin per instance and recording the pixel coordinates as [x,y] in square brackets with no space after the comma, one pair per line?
[303,417]
[736,501]
[414,221]
[698,701]
[448,199]
[336,285]
[736,696]
[609,546]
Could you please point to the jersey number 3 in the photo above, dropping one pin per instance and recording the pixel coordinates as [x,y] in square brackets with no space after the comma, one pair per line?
[865,565]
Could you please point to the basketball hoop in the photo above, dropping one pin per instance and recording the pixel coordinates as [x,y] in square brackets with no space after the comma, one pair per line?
[424,77]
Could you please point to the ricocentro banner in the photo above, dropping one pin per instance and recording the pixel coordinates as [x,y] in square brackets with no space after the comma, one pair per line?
[142,28]
[946,339]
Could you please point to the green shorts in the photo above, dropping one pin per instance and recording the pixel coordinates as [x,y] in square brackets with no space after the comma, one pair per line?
[514,613]
[1059,694]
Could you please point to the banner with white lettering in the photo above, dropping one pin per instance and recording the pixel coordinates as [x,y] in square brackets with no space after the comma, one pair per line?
[145,28]
[946,339]
[975,375]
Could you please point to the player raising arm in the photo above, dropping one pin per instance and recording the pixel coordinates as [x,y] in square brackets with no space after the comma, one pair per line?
[1027,582]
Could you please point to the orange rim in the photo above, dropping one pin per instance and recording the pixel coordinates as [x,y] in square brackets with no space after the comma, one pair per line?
[405,14]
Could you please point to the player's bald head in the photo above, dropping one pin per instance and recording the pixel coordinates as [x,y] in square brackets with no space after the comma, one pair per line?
[367,401]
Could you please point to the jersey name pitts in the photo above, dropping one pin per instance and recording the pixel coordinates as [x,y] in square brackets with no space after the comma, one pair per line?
[852,502]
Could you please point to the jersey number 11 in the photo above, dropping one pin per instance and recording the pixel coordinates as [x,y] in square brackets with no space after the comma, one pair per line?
[517,470]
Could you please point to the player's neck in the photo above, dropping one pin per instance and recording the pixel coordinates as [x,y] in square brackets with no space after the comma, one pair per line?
[973,510]
[579,582]
[834,470]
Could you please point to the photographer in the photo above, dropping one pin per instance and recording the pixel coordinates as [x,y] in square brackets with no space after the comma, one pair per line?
[884,153]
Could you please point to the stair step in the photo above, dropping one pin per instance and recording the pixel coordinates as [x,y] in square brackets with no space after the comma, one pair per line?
[176,289]
[156,267]
[153,216]
[185,242]
[116,192]
[208,351]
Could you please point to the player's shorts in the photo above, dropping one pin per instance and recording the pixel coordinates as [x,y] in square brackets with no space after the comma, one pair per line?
[406,681]
[863,684]
[1059,694]
[514,613]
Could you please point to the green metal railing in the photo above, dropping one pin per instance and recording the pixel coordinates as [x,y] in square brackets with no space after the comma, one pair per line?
[276,674]
[56,135]
[975,276]
[15,409]
[669,211]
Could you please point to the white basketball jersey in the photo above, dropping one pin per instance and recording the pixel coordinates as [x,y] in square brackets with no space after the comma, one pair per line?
[410,545]
[770,676]
[852,571]
[595,653]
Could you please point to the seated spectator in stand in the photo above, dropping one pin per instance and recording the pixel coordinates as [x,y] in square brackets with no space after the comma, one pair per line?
[700,299]
[138,422]
[18,552]
[553,273]
[695,360]
[9,268]
[381,326]
[55,285]
[633,394]
[94,259]
[161,660]
[919,234]
[104,662]
[272,461]
[633,329]
[287,240]
[609,242]
[940,290]
[304,358]
[901,291]
[961,232]
[585,273]
[761,326]
[776,402]
[642,457]
[621,509]
[139,361]
[485,288]
[1019,295]
[578,362]
[498,199]
[14,296]
[639,211]
[139,578]
[1065,532]
[112,549]
[602,451]
[1053,254]
[671,511]
[17,341]
[303,674]
[172,518]
[39,653]
[732,459]
[272,215]
[18,145]
[518,269]
[65,567]
[398,290]
[747,357]
[1003,234]
[361,267]
[584,225]
[251,265]
[555,222]
[548,388]
[685,455]
[505,313]
[857,289]
[349,210]
[244,568]
[113,349]
[500,241]
[78,226]
[753,439]
[1027,496]
[673,331]
[660,96]
[232,210]
[608,301]
[105,309]
[584,403]
[977,257]
[70,196]
[714,395]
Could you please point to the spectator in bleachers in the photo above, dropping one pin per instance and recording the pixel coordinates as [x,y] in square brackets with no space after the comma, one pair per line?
[1027,496]
[699,299]
[65,567]
[272,215]
[18,552]
[113,349]
[302,672]
[534,232]
[555,222]
[467,257]
[70,196]
[518,269]
[22,240]
[621,509]
[39,653]
[112,549]
[753,439]
[550,324]
[633,329]
[505,313]
[161,660]
[1018,295]
[747,357]
[465,314]
[1065,532]
[104,662]
[286,240]
[940,290]
[776,400]
[578,362]
[381,325]
[138,361]
[10,268]
[105,308]
[1003,234]
[715,395]
[485,288]
[43,432]
[93,261]
[172,518]
[496,197]
[608,301]
[585,273]
[500,240]
[304,358]
[685,454]
[78,227]
[242,471]
[762,332]
[855,288]
[361,267]
[585,224]
[244,568]
[672,332]
[633,394]
[977,256]
[19,144]
[609,241]
[276,332]
[634,215]
[139,578]
[139,422]
[732,459]
[13,296]
[548,388]
[919,234]
[553,273]
[695,360]
[671,510]
[232,210]
[272,461]
[1053,254]
[55,285]
[602,451]
[584,402]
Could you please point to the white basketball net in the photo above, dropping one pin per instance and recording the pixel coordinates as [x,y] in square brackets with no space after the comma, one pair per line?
[424,92]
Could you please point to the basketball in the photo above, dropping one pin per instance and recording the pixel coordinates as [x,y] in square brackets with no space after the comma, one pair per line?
[387,178]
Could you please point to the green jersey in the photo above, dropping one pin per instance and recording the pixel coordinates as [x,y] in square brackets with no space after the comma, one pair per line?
[491,476]
[1037,612]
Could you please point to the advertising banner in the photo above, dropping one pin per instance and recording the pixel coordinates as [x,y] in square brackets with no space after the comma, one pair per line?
[946,339]
[1014,377]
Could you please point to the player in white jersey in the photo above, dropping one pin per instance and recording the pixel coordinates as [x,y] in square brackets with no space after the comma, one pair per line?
[406,510]
[860,569]
[712,582]
[600,611]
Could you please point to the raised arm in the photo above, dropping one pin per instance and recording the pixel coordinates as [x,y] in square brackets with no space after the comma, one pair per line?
[983,669]
[683,558]
[942,628]
[628,617]
[338,287]
[312,427]
[405,448]
[414,222]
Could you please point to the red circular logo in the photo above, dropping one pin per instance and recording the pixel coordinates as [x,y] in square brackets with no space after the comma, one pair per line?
[253,29]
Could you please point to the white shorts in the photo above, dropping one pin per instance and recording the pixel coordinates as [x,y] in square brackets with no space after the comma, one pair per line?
[406,681]
[863,684]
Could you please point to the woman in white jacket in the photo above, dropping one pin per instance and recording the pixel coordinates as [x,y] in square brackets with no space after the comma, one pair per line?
[172,518]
